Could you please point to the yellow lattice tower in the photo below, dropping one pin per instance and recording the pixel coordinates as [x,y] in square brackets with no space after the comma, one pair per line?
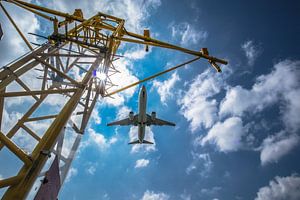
[88,46]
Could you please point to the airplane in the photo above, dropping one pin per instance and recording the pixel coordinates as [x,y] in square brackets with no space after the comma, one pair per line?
[142,119]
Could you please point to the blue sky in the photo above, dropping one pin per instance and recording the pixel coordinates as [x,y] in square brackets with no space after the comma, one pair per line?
[236,134]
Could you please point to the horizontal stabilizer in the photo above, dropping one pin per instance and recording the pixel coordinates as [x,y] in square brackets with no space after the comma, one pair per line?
[138,142]
[147,142]
[134,142]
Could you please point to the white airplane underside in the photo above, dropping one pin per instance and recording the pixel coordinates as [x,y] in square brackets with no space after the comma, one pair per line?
[142,119]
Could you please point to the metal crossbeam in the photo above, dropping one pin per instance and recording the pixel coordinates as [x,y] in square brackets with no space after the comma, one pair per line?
[91,46]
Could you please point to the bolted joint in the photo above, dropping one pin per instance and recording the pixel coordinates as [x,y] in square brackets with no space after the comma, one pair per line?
[214,65]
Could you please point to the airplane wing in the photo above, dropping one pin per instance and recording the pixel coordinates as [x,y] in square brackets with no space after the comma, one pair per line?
[124,122]
[158,122]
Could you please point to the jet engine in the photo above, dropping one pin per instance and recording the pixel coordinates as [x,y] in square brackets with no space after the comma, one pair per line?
[131,115]
[153,115]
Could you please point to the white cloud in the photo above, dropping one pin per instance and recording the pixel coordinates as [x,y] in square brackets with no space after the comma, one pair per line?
[71,173]
[281,188]
[1,177]
[123,112]
[133,136]
[135,12]
[126,77]
[276,146]
[251,51]
[279,86]
[197,106]
[27,22]
[201,161]
[187,33]
[185,196]
[210,191]
[164,88]
[141,163]
[122,79]
[105,197]
[136,53]
[98,140]
[291,112]
[9,120]
[96,116]
[21,138]
[150,195]
[91,170]
[227,135]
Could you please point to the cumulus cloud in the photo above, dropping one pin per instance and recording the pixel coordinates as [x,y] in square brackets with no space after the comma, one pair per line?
[197,104]
[150,195]
[122,79]
[91,169]
[276,146]
[141,163]
[96,116]
[164,88]
[185,196]
[281,85]
[21,138]
[136,53]
[187,33]
[251,50]
[134,12]
[126,77]
[71,173]
[201,162]
[226,135]
[12,46]
[98,140]
[281,188]
[224,121]
[292,109]
[27,22]
[123,112]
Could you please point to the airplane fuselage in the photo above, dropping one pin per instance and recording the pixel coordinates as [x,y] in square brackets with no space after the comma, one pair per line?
[142,117]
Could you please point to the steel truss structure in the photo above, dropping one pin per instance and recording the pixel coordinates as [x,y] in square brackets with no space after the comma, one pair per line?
[65,68]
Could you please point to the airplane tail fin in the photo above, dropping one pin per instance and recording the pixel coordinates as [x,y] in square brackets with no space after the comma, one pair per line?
[138,142]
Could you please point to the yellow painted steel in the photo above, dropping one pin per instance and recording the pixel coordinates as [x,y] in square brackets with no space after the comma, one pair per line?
[151,77]
[86,35]
[10,181]
[16,27]
[15,149]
